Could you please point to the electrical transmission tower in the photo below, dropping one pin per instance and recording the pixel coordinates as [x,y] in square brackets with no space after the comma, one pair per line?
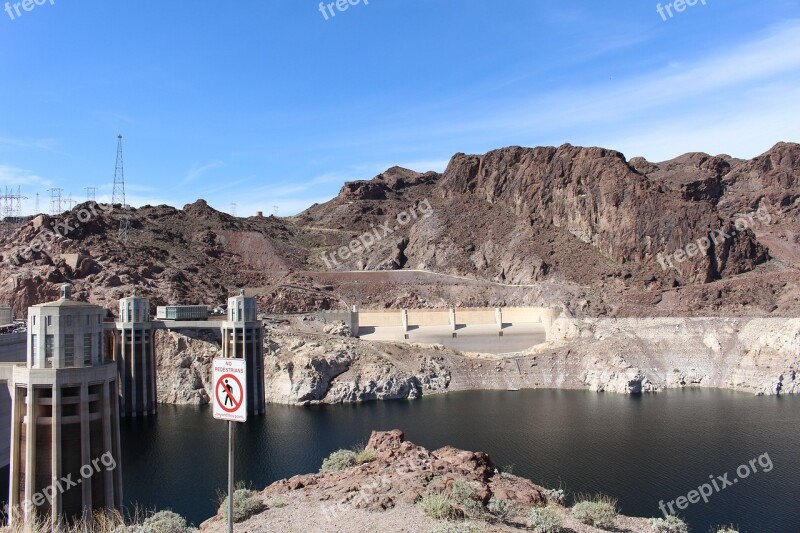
[37,204]
[90,194]
[55,201]
[12,205]
[233,209]
[118,196]
[275,210]
[70,202]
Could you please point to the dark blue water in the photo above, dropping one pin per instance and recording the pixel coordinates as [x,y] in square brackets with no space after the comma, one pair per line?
[638,449]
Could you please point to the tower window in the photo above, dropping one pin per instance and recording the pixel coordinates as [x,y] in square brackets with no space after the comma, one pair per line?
[69,350]
[48,350]
[87,349]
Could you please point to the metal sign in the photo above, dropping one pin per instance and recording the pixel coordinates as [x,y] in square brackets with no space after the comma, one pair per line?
[230,390]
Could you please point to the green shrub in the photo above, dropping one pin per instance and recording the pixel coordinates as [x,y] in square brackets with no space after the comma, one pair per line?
[166,522]
[339,460]
[500,508]
[461,491]
[600,511]
[246,503]
[364,456]
[545,520]
[455,527]
[439,507]
[473,508]
[670,524]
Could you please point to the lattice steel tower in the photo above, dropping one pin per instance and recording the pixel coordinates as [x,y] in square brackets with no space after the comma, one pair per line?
[56,201]
[118,195]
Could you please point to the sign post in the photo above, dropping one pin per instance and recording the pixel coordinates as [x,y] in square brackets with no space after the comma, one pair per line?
[230,403]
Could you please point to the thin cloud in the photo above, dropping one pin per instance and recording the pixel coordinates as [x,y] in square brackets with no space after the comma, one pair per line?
[198,170]
[18,176]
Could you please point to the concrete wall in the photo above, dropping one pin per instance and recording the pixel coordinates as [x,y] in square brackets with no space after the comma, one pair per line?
[428,317]
[13,347]
[379,318]
[441,317]
[476,316]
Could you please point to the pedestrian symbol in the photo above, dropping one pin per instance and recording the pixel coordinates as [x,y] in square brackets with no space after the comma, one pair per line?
[229,391]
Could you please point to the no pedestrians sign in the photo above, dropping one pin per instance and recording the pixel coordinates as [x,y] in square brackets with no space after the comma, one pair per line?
[230,393]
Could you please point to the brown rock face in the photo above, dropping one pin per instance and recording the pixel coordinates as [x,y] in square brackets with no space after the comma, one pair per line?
[403,471]
[595,195]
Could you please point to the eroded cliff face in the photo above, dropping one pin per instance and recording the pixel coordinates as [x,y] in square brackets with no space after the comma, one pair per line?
[183,372]
[627,356]
[759,355]
[629,215]
[305,370]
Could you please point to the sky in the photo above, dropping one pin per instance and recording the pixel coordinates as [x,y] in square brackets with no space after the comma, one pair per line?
[272,105]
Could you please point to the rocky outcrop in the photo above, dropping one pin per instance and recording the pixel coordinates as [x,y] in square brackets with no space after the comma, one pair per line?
[383,492]
[304,370]
[598,197]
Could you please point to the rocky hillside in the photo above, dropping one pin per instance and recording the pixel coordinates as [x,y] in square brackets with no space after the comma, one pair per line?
[388,491]
[581,228]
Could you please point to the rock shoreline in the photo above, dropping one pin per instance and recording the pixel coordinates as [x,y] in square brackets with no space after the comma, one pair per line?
[628,356]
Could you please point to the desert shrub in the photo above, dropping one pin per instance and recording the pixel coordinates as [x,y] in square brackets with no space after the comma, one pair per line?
[277,503]
[725,529]
[364,456]
[599,511]
[461,491]
[246,503]
[439,507]
[473,508]
[339,460]
[166,522]
[555,495]
[455,527]
[545,520]
[500,508]
[670,524]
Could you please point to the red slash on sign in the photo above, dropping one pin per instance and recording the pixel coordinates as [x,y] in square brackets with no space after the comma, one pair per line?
[229,393]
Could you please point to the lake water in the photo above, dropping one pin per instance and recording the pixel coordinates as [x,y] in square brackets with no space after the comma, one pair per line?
[638,449]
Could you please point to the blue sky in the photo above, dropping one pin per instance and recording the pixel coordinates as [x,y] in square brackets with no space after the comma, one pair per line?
[267,103]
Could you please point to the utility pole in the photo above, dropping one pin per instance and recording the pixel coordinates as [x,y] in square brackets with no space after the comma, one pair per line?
[37,204]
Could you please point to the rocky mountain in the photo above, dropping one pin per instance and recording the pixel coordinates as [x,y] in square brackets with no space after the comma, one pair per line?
[583,229]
